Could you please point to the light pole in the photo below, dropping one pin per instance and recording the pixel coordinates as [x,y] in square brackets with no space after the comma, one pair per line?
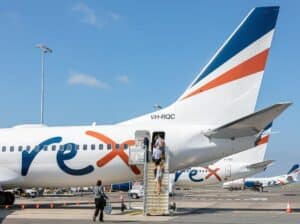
[44,50]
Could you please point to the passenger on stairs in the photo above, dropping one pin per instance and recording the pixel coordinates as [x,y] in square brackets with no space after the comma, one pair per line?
[159,176]
[158,155]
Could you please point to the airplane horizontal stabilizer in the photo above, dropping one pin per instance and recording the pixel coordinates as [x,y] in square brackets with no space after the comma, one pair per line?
[249,125]
[260,164]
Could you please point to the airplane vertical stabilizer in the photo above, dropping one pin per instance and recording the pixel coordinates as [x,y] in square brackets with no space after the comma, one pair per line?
[228,86]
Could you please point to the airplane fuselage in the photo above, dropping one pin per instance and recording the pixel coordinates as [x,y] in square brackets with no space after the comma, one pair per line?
[214,174]
[78,156]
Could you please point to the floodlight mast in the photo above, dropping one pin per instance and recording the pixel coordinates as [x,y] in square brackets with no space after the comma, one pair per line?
[44,49]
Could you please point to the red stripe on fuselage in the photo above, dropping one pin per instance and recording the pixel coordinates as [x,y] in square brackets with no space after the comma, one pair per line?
[252,65]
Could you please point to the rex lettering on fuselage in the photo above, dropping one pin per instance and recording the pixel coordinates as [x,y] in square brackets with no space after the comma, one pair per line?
[68,151]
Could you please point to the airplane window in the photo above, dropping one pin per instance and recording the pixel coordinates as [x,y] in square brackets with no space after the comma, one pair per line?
[125,146]
[100,146]
[69,147]
[11,148]
[61,147]
[85,147]
[45,147]
[108,146]
[53,147]
[3,148]
[27,147]
[77,146]
[117,146]
[93,147]
[20,148]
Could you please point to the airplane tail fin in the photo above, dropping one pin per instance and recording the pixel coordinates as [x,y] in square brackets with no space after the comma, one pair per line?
[228,86]
[294,168]
[294,172]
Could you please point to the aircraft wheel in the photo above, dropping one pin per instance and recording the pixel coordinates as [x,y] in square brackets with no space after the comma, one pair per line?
[9,198]
[134,196]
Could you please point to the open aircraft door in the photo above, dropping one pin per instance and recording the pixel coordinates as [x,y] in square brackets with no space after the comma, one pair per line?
[140,150]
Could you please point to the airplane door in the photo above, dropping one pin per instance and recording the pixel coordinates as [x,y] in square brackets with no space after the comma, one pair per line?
[227,171]
[140,151]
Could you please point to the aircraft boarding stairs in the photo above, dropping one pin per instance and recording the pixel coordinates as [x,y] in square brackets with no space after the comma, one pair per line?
[154,203]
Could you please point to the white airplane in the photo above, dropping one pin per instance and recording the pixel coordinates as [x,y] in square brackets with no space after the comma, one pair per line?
[261,183]
[213,118]
[239,165]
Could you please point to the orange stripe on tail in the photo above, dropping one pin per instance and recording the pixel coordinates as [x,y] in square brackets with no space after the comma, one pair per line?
[255,64]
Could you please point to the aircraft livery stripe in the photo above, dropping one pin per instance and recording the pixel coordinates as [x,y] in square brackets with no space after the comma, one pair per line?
[263,140]
[248,67]
[260,21]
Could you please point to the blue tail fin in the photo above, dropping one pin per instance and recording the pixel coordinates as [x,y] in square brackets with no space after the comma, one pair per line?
[295,167]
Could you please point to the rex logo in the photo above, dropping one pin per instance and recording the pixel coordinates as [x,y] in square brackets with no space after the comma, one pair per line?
[115,151]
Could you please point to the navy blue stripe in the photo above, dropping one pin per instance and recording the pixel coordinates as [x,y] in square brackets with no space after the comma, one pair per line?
[296,166]
[268,126]
[259,22]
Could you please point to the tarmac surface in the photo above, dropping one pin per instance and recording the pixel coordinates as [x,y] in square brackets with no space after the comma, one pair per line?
[210,205]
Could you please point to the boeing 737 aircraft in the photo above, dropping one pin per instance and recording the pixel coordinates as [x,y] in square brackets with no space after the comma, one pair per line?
[213,118]
[239,165]
[261,183]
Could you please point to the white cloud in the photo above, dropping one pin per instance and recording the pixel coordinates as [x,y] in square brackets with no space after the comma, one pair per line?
[91,17]
[123,79]
[88,14]
[86,80]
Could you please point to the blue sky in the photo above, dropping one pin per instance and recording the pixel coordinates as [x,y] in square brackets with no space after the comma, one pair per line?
[114,60]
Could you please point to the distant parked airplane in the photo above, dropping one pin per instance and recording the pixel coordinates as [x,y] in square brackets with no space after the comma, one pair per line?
[261,183]
[239,165]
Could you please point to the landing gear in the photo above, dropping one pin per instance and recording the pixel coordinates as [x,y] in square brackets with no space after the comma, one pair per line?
[7,198]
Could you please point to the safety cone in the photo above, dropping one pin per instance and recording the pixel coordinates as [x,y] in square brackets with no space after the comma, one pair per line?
[6,206]
[51,205]
[288,208]
[37,206]
[22,206]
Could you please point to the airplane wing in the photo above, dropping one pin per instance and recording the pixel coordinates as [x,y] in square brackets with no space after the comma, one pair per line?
[7,175]
[249,125]
[260,164]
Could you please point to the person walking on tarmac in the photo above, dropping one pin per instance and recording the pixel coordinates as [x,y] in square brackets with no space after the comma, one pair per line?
[100,200]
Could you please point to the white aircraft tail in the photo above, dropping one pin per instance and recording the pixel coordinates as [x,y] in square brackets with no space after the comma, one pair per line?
[228,86]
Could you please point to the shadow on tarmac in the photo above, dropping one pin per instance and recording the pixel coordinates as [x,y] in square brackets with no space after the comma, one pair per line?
[187,211]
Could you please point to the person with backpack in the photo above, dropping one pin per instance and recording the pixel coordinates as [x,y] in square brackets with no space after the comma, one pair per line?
[100,200]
